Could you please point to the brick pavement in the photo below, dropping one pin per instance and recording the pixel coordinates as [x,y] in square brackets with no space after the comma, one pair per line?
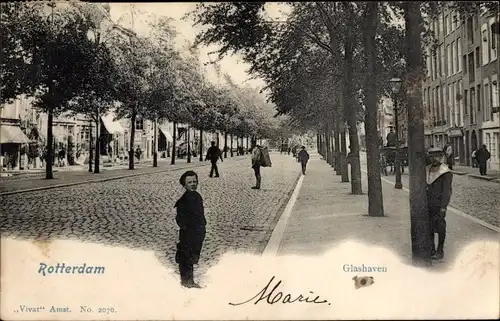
[38,181]
[137,212]
[325,214]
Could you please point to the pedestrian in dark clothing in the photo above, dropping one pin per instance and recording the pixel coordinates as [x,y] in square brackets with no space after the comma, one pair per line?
[482,156]
[256,163]
[303,158]
[439,189]
[191,220]
[213,154]
[448,151]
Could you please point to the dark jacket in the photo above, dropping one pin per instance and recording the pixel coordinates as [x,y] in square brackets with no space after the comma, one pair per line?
[303,156]
[482,155]
[439,187]
[191,220]
[213,153]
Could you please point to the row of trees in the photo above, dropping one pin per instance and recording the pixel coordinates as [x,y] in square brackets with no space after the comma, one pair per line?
[71,58]
[327,64]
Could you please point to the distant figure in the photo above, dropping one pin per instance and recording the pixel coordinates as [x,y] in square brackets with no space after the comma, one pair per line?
[61,156]
[138,152]
[213,154]
[391,138]
[256,163]
[303,158]
[474,160]
[191,220]
[482,156]
[439,189]
[448,152]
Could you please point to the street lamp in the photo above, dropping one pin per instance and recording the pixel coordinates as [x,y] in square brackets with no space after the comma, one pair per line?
[395,87]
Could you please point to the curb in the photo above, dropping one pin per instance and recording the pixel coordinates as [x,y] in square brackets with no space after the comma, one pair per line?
[484,178]
[458,173]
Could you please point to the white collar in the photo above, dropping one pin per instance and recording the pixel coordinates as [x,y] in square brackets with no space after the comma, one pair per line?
[433,175]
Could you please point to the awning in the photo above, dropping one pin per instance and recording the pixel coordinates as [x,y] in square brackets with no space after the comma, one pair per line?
[113,127]
[166,133]
[12,135]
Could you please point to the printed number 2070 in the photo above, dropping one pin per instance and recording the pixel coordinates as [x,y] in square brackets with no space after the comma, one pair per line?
[106,310]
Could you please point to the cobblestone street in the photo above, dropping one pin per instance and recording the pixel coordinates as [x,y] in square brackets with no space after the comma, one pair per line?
[137,212]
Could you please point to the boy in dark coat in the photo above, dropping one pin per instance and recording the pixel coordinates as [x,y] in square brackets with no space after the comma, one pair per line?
[439,189]
[191,220]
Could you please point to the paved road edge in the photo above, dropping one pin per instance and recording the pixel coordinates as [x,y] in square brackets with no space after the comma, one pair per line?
[274,242]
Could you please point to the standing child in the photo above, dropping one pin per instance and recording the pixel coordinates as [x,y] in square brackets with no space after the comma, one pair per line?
[439,190]
[191,220]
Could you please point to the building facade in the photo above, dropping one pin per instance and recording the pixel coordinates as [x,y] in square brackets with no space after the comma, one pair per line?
[460,90]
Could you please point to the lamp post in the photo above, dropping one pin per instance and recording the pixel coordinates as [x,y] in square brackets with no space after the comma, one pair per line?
[396,86]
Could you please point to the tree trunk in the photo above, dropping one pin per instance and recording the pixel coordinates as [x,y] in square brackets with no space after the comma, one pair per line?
[91,150]
[318,142]
[155,143]
[344,168]
[131,155]
[336,132]
[231,150]
[201,146]
[375,197]
[188,139]
[246,149]
[225,144]
[50,147]
[174,141]
[350,105]
[420,222]
[97,145]
[332,147]
[327,143]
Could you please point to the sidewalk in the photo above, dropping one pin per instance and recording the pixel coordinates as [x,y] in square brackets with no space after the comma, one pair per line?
[474,172]
[19,183]
[325,214]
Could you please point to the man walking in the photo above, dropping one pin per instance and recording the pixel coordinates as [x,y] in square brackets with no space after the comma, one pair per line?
[303,158]
[213,154]
[439,189]
[482,156]
[256,163]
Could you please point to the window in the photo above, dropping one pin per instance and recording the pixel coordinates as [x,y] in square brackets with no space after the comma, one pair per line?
[450,112]
[435,60]
[433,66]
[486,103]
[139,124]
[470,31]
[454,22]
[441,24]
[433,103]
[445,27]
[478,58]
[436,29]
[494,93]
[485,44]
[478,97]
[448,24]
[466,102]
[459,54]
[472,109]
[454,57]
[460,100]
[428,63]
[443,61]
[472,70]
[450,61]
[493,40]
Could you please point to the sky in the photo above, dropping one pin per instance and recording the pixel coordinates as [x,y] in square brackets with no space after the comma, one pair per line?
[121,13]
